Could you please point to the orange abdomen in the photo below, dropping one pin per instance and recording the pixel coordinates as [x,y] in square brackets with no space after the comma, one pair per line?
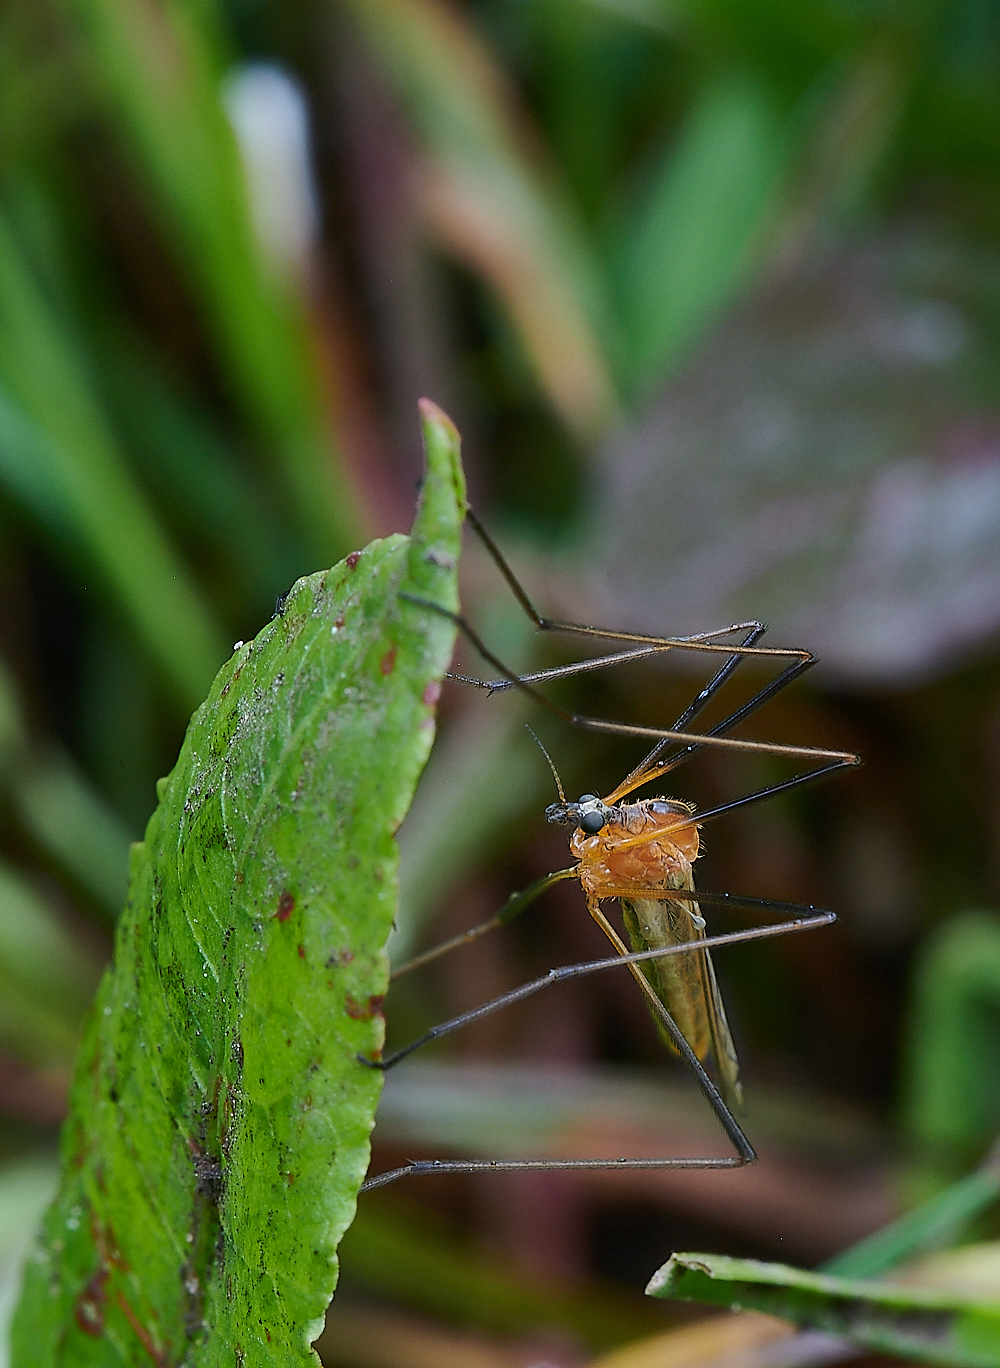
[611,859]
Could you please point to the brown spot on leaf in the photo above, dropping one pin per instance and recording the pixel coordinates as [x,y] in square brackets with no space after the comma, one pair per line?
[89,1309]
[353,559]
[302,951]
[388,662]
[286,906]
[342,956]
[361,1012]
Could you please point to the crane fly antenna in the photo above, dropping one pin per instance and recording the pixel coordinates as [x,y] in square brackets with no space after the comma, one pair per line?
[555,772]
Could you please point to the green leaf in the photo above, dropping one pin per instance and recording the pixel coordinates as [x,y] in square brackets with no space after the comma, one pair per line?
[693,241]
[931,1327]
[220,1116]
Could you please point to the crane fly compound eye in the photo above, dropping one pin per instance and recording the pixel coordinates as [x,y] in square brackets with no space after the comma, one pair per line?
[592,822]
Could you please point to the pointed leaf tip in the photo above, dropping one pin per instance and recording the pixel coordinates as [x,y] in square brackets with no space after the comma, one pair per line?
[437,531]
[434,413]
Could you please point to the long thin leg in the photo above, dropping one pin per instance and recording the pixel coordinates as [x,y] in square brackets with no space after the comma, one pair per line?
[650,768]
[801,660]
[819,917]
[762,696]
[699,642]
[727,1120]
[519,902]
[603,727]
[745,1153]
[418,1168]
[647,770]
[709,814]
[839,759]
[513,907]
[754,631]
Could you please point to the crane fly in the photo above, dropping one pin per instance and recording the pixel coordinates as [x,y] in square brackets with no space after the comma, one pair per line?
[640,853]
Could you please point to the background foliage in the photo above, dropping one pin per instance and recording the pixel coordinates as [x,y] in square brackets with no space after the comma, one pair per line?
[712,291]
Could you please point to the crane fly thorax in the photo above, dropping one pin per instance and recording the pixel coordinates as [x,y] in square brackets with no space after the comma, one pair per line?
[608,859]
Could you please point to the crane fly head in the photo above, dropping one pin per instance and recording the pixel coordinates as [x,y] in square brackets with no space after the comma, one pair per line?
[588,813]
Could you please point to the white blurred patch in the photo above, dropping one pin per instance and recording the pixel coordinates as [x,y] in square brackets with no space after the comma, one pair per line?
[267,110]
[26,1187]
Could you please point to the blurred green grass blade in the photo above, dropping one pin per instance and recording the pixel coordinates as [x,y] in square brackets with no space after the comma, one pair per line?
[46,979]
[492,206]
[64,814]
[657,16]
[952,1106]
[849,120]
[161,66]
[928,1227]
[693,240]
[929,1327]
[28,471]
[220,1118]
[194,470]
[120,723]
[60,810]
[84,483]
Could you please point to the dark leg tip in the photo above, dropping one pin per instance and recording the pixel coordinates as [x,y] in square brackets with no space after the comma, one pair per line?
[369,1063]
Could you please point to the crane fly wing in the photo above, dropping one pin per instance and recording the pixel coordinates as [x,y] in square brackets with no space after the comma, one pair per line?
[726,1062]
[677,981]
[685,984]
